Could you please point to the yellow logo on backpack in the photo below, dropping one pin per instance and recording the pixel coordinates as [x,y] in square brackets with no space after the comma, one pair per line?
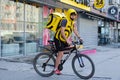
[54,20]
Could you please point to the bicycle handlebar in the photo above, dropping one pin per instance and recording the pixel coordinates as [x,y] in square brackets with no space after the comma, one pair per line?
[79,42]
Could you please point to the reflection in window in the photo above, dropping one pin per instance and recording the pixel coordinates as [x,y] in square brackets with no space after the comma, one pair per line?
[13,37]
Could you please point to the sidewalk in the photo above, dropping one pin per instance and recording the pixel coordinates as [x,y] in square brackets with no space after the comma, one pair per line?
[103,60]
[14,66]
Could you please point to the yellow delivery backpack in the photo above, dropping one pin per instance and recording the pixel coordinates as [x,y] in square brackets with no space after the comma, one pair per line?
[54,20]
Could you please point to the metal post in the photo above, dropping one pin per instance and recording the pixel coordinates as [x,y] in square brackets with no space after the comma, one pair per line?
[116,32]
[24,31]
[0,33]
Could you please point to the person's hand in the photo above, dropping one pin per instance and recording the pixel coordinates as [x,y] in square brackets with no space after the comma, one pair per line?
[81,41]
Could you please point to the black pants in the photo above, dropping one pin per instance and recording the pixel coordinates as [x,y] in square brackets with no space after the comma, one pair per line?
[60,45]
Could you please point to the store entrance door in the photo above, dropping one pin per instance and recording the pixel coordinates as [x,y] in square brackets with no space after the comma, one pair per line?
[103,35]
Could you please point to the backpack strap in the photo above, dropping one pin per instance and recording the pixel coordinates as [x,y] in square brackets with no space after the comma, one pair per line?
[59,24]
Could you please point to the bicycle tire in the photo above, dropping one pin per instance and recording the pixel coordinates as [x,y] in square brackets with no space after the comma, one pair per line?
[88,76]
[43,56]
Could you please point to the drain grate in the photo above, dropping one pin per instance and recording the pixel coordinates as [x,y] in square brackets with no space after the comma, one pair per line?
[101,78]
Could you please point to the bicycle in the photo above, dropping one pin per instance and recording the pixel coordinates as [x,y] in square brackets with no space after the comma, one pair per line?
[44,63]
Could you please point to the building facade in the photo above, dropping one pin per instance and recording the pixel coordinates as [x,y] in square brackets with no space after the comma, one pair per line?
[22,24]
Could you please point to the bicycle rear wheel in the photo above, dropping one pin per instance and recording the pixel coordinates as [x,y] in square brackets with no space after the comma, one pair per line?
[43,64]
[83,66]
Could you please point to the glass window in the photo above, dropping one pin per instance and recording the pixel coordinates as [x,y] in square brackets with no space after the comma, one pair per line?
[19,35]
[33,28]
[118,35]
[8,28]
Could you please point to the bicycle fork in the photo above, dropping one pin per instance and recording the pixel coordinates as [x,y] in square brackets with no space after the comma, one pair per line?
[80,60]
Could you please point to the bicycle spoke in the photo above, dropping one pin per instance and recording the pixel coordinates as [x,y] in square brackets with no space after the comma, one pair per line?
[44,64]
[83,66]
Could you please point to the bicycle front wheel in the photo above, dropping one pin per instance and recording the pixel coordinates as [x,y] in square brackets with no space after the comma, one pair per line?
[83,66]
[43,64]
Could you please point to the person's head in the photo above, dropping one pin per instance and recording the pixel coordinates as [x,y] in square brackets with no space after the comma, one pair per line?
[71,14]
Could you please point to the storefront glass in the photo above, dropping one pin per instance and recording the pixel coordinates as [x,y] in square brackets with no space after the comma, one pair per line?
[103,33]
[31,28]
[20,29]
[118,35]
[9,28]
